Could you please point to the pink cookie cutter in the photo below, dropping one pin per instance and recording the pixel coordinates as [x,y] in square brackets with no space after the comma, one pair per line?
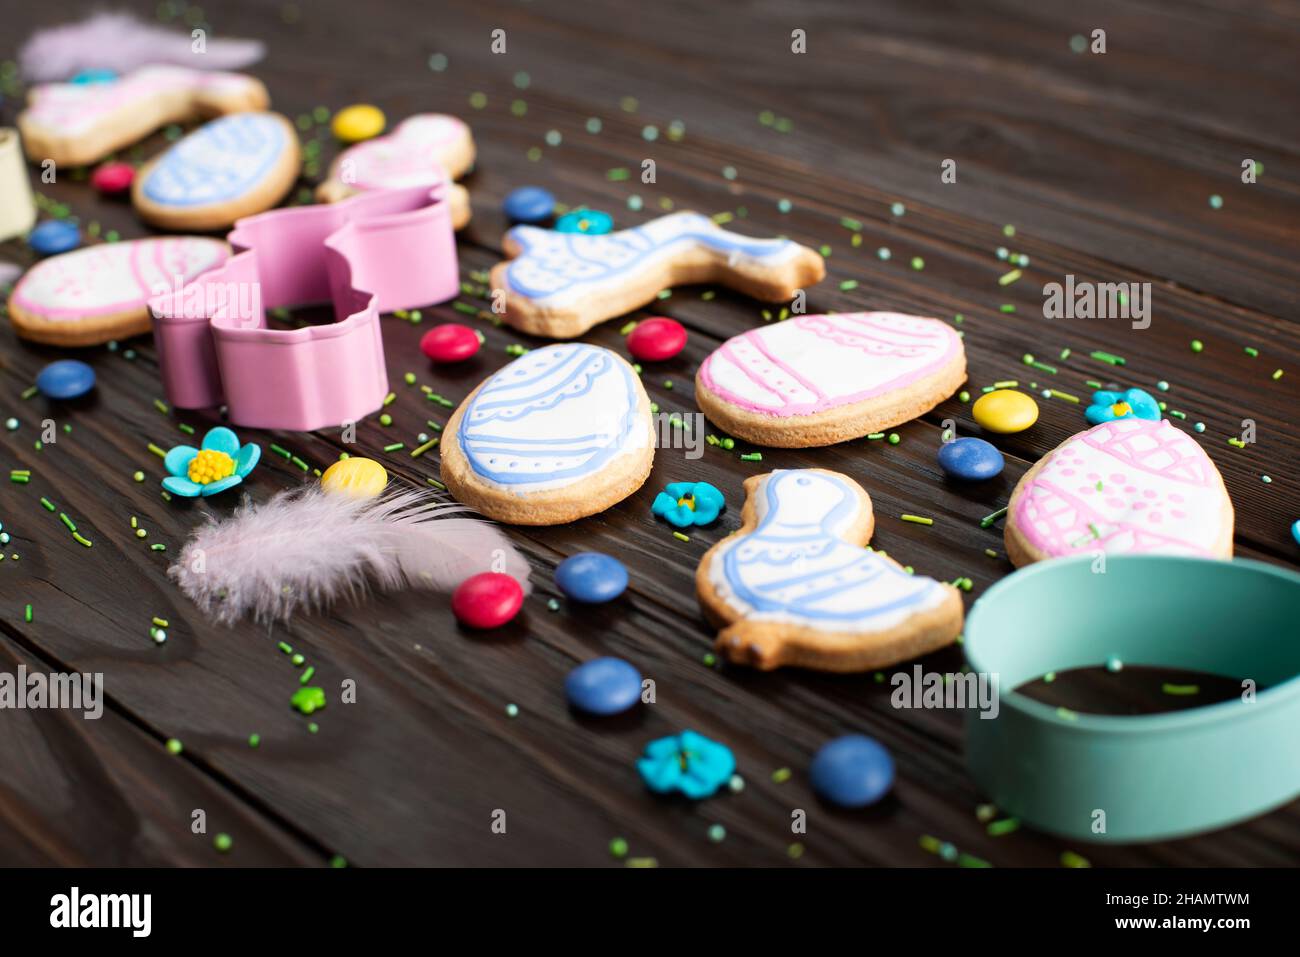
[376,252]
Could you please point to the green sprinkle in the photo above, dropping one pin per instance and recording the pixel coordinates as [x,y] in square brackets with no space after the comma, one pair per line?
[385,419]
[752,457]
[781,775]
[728,444]
[627,328]
[394,447]
[848,285]
[338,862]
[1251,351]
[27,614]
[284,647]
[306,675]
[894,438]
[465,308]
[420,450]
[49,506]
[1107,358]
[254,740]
[717,833]
[1007,279]
[1071,859]
[918,263]
[1007,384]
[1057,394]
[185,427]
[1066,714]
[1197,345]
[158,547]
[1004,826]
[618,848]
[82,539]
[298,660]
[161,406]
[278,450]
[28,392]
[988,520]
[174,746]
[1007,307]
[162,622]
[917,519]
[223,842]
[1009,231]
[300,463]
[681,537]
[852,225]
[390,398]
[436,484]
[963,396]
[63,517]
[1184,690]
[1277,375]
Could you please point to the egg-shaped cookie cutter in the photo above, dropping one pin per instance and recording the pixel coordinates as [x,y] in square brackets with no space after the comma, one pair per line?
[1156,776]
[376,252]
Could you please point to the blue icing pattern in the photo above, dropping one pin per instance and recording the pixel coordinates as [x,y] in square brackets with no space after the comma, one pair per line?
[552,417]
[556,263]
[796,564]
[220,161]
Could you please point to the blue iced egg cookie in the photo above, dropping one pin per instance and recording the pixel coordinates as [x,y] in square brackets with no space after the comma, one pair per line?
[231,167]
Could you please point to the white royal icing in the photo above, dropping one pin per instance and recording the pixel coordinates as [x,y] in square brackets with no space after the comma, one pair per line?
[554,417]
[414,154]
[557,268]
[111,278]
[796,567]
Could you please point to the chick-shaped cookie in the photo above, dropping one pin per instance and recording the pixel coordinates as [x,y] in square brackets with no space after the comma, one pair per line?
[796,586]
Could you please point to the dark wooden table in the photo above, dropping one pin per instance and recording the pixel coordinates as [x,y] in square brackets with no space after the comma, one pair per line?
[1104,164]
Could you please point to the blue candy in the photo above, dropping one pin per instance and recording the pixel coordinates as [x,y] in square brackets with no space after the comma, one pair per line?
[852,771]
[95,75]
[970,459]
[529,204]
[591,577]
[603,686]
[1295,531]
[65,379]
[54,236]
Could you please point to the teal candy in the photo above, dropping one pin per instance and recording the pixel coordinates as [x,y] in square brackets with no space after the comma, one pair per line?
[1141,403]
[709,503]
[1160,776]
[593,222]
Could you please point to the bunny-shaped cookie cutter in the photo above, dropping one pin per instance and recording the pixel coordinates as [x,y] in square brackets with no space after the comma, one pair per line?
[376,252]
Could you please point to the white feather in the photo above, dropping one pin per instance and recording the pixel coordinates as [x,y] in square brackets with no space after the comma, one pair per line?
[305,549]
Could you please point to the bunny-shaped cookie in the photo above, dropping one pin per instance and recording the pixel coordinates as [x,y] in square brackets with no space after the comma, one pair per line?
[795,586]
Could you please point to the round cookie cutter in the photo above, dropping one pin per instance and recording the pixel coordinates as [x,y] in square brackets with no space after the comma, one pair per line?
[1154,776]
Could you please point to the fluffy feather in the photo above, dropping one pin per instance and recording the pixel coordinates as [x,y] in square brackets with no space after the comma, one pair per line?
[120,42]
[306,548]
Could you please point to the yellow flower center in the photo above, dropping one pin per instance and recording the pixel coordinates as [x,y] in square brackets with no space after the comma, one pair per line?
[688,501]
[211,466]
[1121,408]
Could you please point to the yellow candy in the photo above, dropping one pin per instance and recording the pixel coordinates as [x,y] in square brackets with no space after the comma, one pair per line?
[354,477]
[1005,411]
[355,123]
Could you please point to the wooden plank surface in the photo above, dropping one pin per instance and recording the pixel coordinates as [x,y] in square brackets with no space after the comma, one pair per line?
[1104,165]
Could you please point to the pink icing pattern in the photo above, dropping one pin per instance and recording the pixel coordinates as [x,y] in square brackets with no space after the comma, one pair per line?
[112,278]
[73,107]
[414,154]
[809,364]
[1128,486]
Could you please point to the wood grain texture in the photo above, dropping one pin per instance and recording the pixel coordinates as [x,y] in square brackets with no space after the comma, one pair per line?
[1104,164]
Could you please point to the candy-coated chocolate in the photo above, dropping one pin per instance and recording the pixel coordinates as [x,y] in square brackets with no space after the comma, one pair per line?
[591,577]
[450,342]
[852,771]
[1005,411]
[603,686]
[592,222]
[529,204]
[487,600]
[112,178]
[65,379]
[1295,531]
[54,236]
[970,459]
[355,123]
[654,340]
[355,477]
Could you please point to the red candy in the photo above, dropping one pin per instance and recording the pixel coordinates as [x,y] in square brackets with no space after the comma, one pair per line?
[654,340]
[487,600]
[449,342]
[113,177]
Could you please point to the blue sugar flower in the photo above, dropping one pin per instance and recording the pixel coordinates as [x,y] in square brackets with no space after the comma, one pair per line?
[220,464]
[686,762]
[1132,403]
[688,503]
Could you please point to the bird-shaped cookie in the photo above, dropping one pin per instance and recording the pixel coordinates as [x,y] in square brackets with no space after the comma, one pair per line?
[795,586]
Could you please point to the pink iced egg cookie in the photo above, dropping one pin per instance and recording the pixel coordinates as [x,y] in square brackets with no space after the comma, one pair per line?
[1131,486]
[450,342]
[98,293]
[657,339]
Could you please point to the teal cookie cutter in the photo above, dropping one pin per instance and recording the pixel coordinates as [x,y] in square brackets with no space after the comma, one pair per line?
[1158,776]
